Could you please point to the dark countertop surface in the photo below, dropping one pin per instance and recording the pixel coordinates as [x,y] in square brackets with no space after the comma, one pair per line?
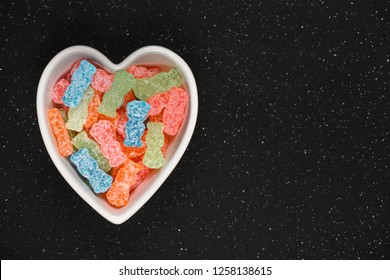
[290,156]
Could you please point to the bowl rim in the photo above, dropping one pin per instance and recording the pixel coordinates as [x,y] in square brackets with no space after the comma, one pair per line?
[101,59]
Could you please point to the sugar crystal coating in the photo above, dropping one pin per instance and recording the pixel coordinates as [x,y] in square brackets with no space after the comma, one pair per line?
[58,91]
[102,81]
[140,72]
[154,142]
[161,82]
[137,112]
[60,132]
[80,80]
[157,103]
[88,167]
[83,141]
[174,112]
[93,114]
[113,98]
[110,147]
[118,194]
[78,115]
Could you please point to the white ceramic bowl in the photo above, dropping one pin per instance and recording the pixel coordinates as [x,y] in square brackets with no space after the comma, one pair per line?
[152,55]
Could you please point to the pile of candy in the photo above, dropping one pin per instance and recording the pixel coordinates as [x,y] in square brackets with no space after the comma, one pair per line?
[99,121]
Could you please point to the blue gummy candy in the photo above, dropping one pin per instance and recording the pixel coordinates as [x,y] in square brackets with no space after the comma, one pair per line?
[137,112]
[81,79]
[88,167]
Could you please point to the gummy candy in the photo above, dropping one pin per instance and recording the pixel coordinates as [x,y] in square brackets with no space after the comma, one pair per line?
[121,124]
[88,167]
[113,121]
[109,146]
[161,82]
[78,114]
[113,98]
[128,98]
[140,72]
[110,112]
[93,114]
[141,175]
[126,177]
[58,91]
[137,111]
[132,152]
[60,132]
[154,142]
[64,116]
[102,81]
[175,110]
[157,103]
[83,141]
[81,79]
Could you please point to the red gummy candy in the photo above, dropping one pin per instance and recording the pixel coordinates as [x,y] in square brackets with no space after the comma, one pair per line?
[102,80]
[157,103]
[175,110]
[58,91]
[140,72]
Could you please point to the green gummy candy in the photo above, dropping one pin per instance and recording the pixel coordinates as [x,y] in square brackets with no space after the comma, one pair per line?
[113,98]
[161,82]
[78,114]
[64,116]
[83,141]
[154,141]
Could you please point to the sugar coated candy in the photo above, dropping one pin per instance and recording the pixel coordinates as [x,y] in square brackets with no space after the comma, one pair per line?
[64,116]
[93,114]
[125,123]
[83,141]
[161,82]
[121,124]
[113,98]
[157,103]
[81,79]
[140,72]
[88,167]
[58,91]
[102,81]
[110,147]
[118,194]
[133,152]
[60,132]
[78,115]
[154,142]
[137,111]
[175,110]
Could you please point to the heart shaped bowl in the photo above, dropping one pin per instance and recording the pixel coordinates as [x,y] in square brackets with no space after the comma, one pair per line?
[150,55]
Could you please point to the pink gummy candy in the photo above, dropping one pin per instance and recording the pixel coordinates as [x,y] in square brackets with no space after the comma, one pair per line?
[157,103]
[109,146]
[140,72]
[175,110]
[58,91]
[102,81]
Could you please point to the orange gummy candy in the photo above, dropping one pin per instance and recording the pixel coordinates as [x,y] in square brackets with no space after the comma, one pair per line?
[133,152]
[60,132]
[128,98]
[93,114]
[118,194]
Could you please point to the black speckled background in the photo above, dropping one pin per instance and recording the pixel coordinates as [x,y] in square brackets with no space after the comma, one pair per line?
[290,156]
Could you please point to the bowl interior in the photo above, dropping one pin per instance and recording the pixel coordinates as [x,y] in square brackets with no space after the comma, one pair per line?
[152,55]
